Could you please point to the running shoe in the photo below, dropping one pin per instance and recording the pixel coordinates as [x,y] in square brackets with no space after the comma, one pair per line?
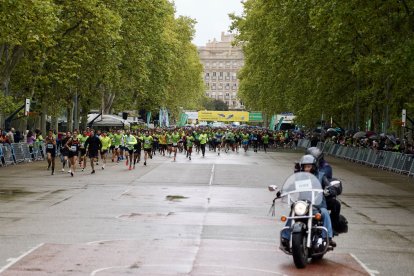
[93,172]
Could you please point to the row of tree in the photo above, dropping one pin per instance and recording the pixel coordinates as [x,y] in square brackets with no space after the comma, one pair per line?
[112,55]
[350,60]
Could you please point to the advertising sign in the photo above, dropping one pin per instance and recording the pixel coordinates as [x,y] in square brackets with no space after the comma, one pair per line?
[223,116]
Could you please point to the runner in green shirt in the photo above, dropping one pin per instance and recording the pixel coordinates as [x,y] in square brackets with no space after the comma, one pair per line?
[265,139]
[147,142]
[129,141]
[175,137]
[117,137]
[190,142]
[203,141]
[106,144]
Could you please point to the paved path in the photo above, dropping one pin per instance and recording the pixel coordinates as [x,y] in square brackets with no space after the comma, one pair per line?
[207,216]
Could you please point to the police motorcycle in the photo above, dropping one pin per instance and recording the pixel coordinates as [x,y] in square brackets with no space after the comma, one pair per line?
[307,236]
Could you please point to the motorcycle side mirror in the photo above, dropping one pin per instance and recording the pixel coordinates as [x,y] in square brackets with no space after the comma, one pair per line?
[272,188]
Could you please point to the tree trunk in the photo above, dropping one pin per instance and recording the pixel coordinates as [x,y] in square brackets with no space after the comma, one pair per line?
[10,62]
[43,121]
[70,117]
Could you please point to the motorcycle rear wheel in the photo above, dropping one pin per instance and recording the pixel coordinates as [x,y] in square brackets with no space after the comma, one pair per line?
[299,250]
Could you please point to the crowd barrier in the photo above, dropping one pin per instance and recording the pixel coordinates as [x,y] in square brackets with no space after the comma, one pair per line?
[386,160]
[21,152]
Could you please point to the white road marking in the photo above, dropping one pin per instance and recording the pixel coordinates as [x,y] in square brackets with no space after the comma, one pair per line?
[211,175]
[106,268]
[15,260]
[370,271]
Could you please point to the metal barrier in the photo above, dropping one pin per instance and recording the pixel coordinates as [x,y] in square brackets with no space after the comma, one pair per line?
[39,151]
[411,172]
[8,154]
[386,160]
[18,152]
[1,156]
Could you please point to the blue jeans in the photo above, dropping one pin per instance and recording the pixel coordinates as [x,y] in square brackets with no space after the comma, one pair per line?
[326,223]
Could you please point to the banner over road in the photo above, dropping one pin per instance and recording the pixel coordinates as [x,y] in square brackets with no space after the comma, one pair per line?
[224,116]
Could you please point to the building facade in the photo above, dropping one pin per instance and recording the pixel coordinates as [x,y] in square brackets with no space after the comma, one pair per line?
[222,62]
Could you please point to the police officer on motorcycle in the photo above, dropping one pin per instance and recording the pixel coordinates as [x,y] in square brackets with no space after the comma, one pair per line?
[332,203]
[308,163]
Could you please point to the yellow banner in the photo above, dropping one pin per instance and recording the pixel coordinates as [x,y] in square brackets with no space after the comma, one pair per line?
[223,116]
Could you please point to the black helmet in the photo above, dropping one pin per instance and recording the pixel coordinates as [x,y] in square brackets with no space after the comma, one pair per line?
[308,159]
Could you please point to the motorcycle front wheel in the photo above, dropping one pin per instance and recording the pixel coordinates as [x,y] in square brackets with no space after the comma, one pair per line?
[299,250]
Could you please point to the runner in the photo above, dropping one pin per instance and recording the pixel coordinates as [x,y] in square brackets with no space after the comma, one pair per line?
[203,141]
[218,140]
[130,141]
[147,141]
[117,144]
[64,151]
[163,143]
[169,143]
[137,149]
[50,143]
[93,145]
[189,144]
[106,145]
[73,145]
[265,139]
[245,141]
[175,137]
[82,160]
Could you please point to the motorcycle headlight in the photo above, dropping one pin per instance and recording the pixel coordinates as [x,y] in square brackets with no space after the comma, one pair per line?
[301,208]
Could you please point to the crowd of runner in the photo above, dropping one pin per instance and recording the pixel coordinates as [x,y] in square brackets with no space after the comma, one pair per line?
[77,149]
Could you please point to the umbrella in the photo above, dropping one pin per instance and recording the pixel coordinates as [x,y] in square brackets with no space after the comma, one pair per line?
[359,134]
[392,139]
[332,131]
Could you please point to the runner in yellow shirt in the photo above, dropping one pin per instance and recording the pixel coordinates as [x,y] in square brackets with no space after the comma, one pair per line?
[106,144]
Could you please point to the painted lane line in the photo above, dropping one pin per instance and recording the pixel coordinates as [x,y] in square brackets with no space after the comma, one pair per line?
[370,271]
[211,175]
[15,260]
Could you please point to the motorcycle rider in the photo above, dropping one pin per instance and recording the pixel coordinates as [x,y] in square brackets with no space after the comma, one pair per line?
[308,163]
[332,203]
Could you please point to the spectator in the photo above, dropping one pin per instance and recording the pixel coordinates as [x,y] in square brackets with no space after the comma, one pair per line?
[10,135]
[30,139]
[17,136]
[3,137]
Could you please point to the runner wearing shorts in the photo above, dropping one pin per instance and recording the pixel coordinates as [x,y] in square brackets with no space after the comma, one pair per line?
[50,143]
[106,145]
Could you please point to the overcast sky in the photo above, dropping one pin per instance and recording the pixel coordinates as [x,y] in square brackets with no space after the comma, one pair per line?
[211,15]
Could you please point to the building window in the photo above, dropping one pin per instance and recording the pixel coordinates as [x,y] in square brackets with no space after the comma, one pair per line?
[234,76]
[207,94]
[234,87]
[228,64]
[221,76]
[227,86]
[227,102]
[207,77]
[221,64]
[220,86]
[213,86]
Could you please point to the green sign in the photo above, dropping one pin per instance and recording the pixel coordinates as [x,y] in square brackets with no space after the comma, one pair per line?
[255,117]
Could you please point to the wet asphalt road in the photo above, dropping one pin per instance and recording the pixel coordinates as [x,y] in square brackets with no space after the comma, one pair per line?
[207,216]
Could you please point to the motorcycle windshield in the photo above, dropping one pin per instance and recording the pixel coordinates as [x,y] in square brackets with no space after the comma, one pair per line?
[302,186]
